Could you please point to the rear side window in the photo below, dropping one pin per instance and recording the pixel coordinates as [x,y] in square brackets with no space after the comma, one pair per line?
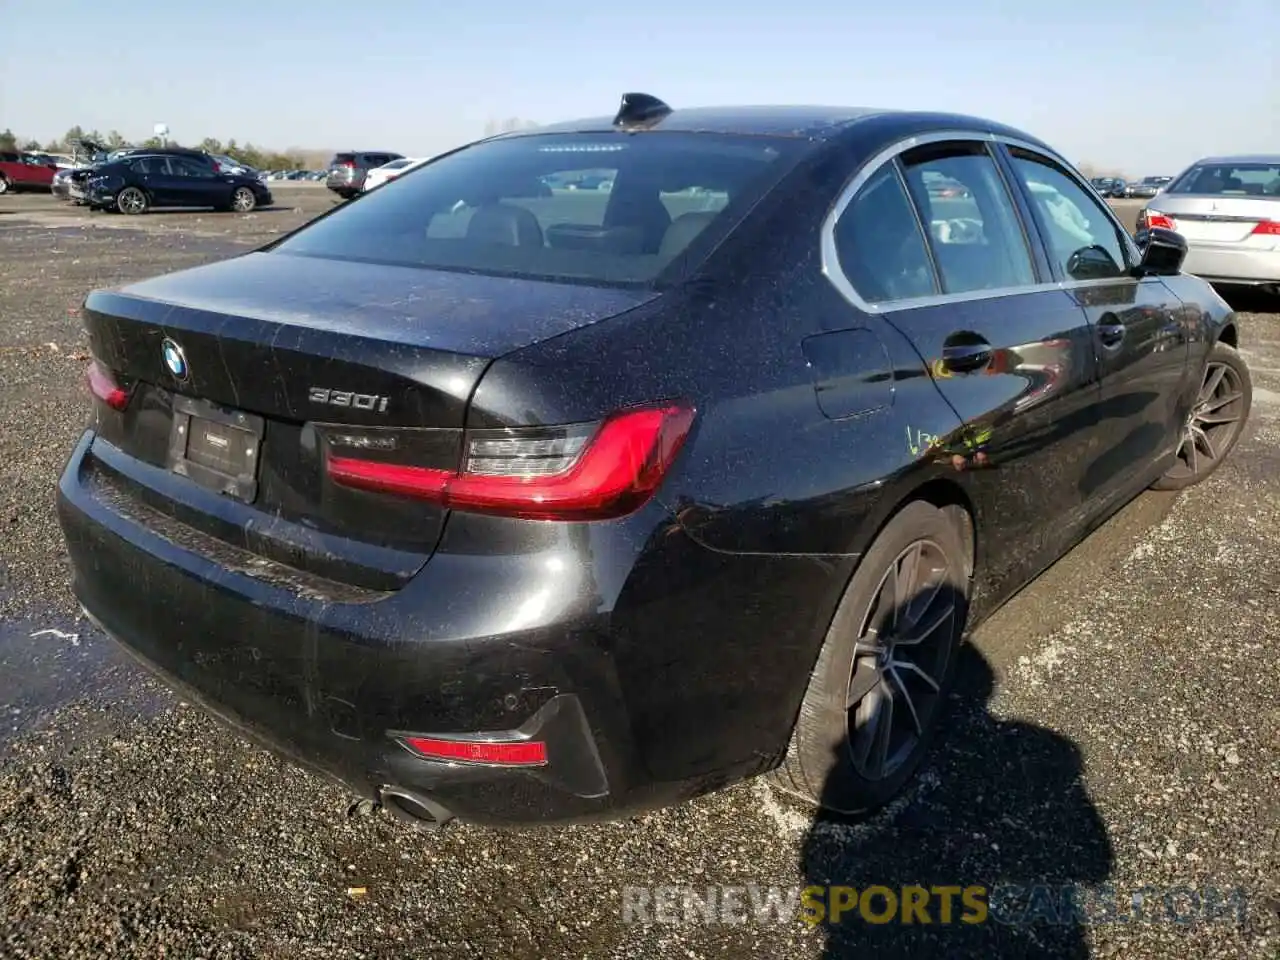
[1231,180]
[879,242]
[974,230]
[597,208]
[1082,239]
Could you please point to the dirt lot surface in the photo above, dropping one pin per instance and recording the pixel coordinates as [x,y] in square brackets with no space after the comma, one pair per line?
[1116,730]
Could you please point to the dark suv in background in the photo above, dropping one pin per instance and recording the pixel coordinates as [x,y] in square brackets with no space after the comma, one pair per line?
[347,170]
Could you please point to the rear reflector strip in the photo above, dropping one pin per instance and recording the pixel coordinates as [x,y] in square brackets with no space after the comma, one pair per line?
[506,753]
[103,386]
[558,473]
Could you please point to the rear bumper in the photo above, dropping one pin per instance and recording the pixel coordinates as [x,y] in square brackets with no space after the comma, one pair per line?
[638,704]
[1226,264]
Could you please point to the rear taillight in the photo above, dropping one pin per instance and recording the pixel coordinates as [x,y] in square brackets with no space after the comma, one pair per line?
[1151,219]
[576,472]
[1267,228]
[104,386]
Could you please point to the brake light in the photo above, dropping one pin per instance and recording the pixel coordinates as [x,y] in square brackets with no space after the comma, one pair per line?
[104,386]
[507,753]
[1157,220]
[578,472]
[1267,228]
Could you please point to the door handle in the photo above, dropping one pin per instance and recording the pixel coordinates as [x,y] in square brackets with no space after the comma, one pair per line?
[1111,334]
[965,357]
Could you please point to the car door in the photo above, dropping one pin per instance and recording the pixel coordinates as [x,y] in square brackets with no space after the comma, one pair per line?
[36,172]
[1141,334]
[159,178]
[197,184]
[935,241]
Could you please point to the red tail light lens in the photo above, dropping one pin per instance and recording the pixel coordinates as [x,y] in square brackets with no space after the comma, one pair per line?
[577,472]
[507,753]
[104,386]
[1267,228]
[1157,220]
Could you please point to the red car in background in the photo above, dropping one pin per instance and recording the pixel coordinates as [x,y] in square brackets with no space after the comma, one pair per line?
[23,171]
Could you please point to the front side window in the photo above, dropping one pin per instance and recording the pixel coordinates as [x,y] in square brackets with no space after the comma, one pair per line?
[974,231]
[880,245]
[596,208]
[1082,239]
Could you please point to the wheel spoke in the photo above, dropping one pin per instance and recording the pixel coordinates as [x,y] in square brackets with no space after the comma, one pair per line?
[923,629]
[879,756]
[868,644]
[1216,419]
[1214,403]
[1212,379]
[906,573]
[865,678]
[868,732]
[914,668]
[1204,442]
[906,698]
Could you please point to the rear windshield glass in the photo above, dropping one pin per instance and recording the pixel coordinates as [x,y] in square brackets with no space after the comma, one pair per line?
[597,208]
[1231,179]
[339,158]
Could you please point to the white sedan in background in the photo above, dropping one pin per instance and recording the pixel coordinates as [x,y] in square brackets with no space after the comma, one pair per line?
[389,171]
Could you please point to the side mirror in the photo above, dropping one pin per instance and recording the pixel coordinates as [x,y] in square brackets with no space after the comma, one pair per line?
[1163,251]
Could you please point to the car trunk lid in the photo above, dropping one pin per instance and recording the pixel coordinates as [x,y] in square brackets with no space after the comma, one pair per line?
[1215,218]
[245,375]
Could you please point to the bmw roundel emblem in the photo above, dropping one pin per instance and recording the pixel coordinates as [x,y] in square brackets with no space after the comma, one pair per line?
[174,359]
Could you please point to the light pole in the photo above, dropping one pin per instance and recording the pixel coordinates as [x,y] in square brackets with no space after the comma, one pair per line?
[162,131]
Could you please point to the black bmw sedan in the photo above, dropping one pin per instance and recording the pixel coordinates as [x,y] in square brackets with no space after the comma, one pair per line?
[515,503]
[139,181]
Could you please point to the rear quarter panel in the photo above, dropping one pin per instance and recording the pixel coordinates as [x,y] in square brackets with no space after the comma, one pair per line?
[716,623]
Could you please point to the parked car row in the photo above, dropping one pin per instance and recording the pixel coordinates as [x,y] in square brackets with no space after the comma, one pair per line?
[347,171]
[133,181]
[1146,188]
[295,175]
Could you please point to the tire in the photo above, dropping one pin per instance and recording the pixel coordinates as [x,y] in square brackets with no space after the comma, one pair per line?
[1215,422]
[243,200]
[827,763]
[132,201]
[4,184]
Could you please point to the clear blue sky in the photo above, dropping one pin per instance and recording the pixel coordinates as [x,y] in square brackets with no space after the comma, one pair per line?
[1145,86]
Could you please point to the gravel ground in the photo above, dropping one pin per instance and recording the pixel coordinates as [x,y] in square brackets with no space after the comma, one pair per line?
[1115,729]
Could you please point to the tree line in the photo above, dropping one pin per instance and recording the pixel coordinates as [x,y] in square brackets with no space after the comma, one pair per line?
[257,157]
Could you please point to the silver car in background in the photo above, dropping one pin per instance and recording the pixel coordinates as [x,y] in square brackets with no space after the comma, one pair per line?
[1228,209]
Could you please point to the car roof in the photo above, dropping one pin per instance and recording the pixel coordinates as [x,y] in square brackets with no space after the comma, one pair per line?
[815,124]
[807,122]
[1243,158]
